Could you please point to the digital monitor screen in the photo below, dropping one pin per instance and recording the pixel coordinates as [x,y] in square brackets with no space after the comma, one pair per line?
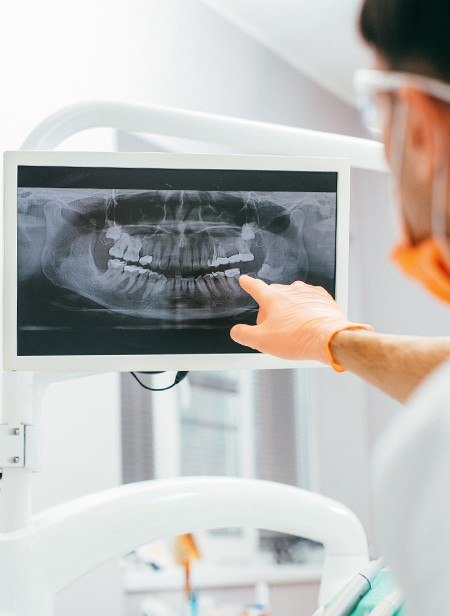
[146,261]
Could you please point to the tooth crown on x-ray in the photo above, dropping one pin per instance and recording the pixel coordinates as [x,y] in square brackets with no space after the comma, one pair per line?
[175,255]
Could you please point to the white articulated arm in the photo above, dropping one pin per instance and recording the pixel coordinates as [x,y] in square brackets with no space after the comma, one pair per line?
[246,135]
[67,541]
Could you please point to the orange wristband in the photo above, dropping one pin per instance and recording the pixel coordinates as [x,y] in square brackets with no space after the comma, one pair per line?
[333,363]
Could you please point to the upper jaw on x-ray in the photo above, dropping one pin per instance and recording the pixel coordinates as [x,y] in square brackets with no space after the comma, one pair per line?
[172,255]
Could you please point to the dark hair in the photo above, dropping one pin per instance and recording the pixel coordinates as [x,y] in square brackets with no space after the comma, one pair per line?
[411,35]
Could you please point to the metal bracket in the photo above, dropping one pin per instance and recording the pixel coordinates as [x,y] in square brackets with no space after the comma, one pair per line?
[20,447]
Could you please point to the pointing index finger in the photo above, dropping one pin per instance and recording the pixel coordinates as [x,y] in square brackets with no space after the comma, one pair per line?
[258,289]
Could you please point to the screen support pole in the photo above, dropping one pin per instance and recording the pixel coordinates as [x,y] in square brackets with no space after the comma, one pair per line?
[18,410]
[20,438]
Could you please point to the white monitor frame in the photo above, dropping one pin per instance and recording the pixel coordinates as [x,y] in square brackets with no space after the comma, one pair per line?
[125,363]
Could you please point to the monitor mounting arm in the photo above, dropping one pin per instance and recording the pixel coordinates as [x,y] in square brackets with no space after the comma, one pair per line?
[244,135]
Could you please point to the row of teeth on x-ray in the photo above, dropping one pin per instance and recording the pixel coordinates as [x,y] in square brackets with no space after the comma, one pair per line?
[120,264]
[128,254]
[214,284]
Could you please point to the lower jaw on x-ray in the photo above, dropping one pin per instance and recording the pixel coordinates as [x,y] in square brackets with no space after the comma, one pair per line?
[114,271]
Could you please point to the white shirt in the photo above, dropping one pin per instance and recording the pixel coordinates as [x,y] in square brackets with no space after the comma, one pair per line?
[412,496]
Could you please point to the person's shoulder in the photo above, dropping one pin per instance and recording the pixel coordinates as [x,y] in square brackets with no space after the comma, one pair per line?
[411,477]
[426,413]
[415,448]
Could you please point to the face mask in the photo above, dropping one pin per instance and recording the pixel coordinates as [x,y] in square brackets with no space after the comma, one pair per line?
[425,262]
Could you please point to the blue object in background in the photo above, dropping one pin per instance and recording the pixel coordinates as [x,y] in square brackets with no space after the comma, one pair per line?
[193,603]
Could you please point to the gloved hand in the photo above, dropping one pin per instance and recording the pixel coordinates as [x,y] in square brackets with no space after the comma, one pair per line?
[294,321]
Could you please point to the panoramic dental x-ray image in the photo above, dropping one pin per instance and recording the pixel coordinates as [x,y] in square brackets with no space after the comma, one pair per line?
[122,270]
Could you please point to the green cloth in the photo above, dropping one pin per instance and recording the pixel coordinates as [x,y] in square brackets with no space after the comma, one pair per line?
[382,585]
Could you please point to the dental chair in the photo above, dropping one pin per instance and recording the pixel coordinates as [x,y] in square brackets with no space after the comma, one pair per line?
[34,549]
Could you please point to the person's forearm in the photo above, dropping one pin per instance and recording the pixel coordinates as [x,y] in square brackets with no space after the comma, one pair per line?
[394,364]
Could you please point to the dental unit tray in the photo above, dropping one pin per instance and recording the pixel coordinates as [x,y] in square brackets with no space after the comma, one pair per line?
[119,261]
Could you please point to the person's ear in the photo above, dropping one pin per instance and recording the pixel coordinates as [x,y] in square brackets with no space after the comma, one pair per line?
[426,133]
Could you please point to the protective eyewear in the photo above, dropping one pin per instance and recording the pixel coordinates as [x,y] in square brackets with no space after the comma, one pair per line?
[370,82]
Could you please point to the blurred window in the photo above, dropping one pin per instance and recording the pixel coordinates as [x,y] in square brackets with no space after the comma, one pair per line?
[252,424]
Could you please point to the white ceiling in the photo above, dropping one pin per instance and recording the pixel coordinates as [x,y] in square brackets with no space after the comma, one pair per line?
[317,37]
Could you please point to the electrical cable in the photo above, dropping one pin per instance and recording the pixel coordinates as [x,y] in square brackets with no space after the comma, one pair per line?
[179,377]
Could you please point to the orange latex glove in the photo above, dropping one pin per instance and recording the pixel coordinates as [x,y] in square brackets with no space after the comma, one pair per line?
[294,321]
